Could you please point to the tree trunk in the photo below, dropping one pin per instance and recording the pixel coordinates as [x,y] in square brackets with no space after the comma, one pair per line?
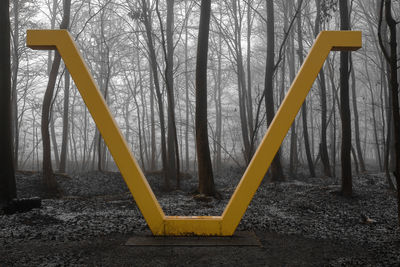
[15,68]
[356,119]
[304,106]
[54,137]
[391,57]
[173,149]
[153,63]
[292,74]
[186,93]
[347,185]
[276,167]
[153,164]
[48,177]
[64,143]
[7,176]
[242,90]
[322,85]
[206,179]
[249,96]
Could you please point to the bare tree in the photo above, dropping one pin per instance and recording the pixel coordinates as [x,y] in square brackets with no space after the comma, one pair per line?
[323,147]
[347,185]
[48,176]
[7,176]
[206,178]
[14,71]
[276,166]
[64,143]
[391,57]
[153,61]
[310,162]
[168,48]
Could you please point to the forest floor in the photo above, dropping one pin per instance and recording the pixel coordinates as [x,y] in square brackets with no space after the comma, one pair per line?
[301,222]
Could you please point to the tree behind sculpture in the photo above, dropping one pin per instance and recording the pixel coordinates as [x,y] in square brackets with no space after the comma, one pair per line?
[7,176]
[48,176]
[206,179]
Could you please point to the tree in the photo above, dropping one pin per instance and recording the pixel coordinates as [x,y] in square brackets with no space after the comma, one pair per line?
[206,179]
[153,62]
[63,155]
[391,57]
[15,68]
[48,176]
[172,138]
[276,167]
[347,186]
[7,176]
[304,106]
[323,147]
[356,118]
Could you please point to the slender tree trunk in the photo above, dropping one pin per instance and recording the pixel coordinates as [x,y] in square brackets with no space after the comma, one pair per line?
[153,164]
[206,179]
[49,180]
[64,143]
[187,92]
[353,153]
[276,167]
[242,90]
[322,85]
[15,68]
[7,176]
[173,149]
[304,106]
[54,138]
[347,185]
[144,113]
[376,136]
[249,79]
[219,106]
[153,61]
[389,122]
[356,119]
[292,74]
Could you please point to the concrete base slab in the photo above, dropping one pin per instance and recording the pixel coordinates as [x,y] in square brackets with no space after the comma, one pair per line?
[239,239]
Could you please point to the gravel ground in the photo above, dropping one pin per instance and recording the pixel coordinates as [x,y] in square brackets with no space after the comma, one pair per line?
[299,222]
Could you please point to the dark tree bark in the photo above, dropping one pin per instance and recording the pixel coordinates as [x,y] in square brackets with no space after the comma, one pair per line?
[323,147]
[7,176]
[249,96]
[186,92]
[304,106]
[293,156]
[347,185]
[356,119]
[153,63]
[48,176]
[64,143]
[276,167]
[246,126]
[172,138]
[153,163]
[206,179]
[391,57]
[15,68]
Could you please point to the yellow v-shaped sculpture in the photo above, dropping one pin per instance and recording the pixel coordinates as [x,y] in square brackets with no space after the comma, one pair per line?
[159,223]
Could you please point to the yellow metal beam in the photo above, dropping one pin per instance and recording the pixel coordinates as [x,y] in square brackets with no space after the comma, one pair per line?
[134,178]
[326,41]
[160,224]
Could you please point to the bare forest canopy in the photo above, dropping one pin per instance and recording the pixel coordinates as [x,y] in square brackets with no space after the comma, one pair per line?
[142,55]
